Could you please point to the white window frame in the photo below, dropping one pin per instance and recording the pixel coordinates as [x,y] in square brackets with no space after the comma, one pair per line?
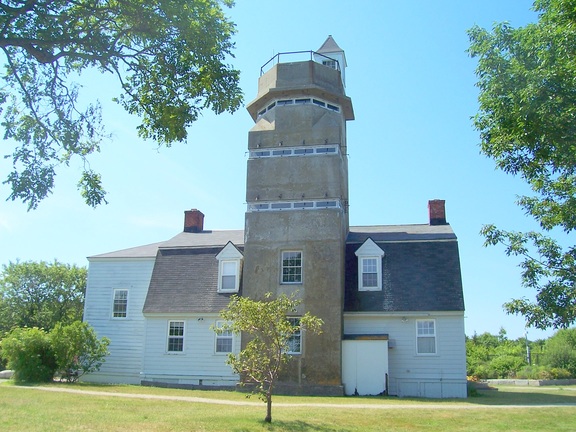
[227,335]
[178,337]
[295,336]
[377,272]
[425,331]
[369,251]
[284,281]
[221,274]
[121,314]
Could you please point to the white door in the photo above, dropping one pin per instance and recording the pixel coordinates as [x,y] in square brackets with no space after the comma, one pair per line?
[364,366]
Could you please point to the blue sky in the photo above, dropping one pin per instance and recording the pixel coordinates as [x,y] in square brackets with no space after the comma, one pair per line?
[412,87]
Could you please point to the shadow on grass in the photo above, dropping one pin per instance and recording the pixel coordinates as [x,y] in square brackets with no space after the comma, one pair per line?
[298,426]
[526,397]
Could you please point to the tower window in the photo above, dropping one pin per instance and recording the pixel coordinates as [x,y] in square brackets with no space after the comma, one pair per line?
[295,340]
[291,267]
[329,63]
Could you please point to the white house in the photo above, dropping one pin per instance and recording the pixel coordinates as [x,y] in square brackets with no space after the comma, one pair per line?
[390,295]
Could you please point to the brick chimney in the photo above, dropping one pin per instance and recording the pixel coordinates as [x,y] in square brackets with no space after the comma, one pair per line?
[193,221]
[437,212]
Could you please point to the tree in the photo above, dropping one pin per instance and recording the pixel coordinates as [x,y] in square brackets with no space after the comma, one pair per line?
[527,124]
[560,350]
[271,330]
[77,349]
[168,56]
[39,294]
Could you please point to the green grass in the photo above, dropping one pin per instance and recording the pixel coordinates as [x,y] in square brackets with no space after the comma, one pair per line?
[36,410]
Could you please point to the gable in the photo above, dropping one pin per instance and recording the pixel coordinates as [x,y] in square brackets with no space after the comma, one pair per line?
[369,248]
[229,252]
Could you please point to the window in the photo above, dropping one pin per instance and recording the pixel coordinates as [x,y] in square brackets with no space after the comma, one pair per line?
[425,337]
[229,265]
[369,266]
[120,304]
[224,340]
[329,63]
[175,336]
[291,267]
[229,270]
[369,272]
[295,340]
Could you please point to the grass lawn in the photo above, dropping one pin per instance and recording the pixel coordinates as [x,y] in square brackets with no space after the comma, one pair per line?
[509,409]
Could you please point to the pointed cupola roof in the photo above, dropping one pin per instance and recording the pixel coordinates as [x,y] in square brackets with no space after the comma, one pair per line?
[331,47]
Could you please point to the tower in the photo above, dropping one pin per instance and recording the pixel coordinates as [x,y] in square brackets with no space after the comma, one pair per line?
[297,201]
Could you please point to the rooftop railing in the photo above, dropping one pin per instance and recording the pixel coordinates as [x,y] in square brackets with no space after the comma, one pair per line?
[296,56]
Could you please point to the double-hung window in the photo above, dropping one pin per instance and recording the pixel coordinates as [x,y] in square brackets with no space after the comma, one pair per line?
[425,337]
[120,303]
[175,336]
[291,267]
[228,275]
[295,339]
[369,272]
[224,339]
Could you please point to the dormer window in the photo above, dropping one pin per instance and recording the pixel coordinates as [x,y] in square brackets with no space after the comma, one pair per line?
[369,266]
[229,267]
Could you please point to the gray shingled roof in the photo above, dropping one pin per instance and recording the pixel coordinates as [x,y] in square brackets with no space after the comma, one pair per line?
[185,280]
[181,240]
[420,270]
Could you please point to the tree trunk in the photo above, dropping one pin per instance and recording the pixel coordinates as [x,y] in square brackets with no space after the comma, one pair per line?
[268,418]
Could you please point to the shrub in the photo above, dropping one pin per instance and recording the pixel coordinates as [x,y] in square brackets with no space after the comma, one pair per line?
[560,373]
[29,353]
[77,349]
[505,366]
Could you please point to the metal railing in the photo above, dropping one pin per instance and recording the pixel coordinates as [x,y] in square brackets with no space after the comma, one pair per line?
[307,55]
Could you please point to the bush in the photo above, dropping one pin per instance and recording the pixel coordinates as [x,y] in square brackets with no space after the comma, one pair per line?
[29,353]
[36,356]
[560,373]
[77,349]
[505,366]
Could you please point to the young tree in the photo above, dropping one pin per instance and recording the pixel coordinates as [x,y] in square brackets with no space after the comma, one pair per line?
[39,294]
[527,124]
[271,329]
[77,349]
[167,55]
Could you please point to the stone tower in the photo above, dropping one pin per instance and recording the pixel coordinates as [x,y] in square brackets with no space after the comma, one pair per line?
[297,200]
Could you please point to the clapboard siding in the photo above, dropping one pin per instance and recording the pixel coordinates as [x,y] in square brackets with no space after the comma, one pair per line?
[124,364]
[197,364]
[409,374]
